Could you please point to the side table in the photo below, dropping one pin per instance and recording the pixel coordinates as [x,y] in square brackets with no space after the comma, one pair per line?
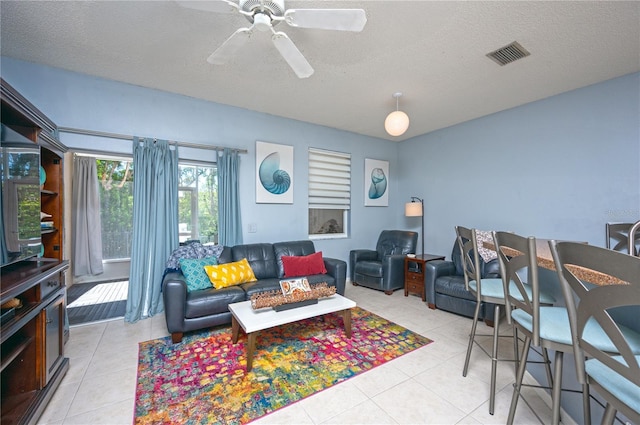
[414,273]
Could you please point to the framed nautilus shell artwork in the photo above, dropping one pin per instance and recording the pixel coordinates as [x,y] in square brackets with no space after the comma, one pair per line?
[376,183]
[274,173]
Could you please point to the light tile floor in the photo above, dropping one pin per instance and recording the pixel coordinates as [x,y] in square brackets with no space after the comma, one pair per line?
[423,387]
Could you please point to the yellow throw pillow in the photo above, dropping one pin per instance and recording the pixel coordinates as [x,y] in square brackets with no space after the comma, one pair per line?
[230,274]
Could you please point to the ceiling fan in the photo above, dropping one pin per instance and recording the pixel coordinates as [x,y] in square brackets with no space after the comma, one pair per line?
[264,15]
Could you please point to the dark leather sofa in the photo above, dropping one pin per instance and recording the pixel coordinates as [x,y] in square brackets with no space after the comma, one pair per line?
[445,288]
[188,311]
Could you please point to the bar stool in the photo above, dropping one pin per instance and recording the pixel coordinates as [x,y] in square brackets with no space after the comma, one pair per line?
[485,290]
[613,349]
[533,315]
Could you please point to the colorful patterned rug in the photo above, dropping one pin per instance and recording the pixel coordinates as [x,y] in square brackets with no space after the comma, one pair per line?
[203,379]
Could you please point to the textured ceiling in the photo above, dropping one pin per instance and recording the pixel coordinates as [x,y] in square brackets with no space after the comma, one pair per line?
[432,51]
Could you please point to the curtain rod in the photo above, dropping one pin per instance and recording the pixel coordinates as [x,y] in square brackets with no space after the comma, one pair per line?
[118,156]
[127,137]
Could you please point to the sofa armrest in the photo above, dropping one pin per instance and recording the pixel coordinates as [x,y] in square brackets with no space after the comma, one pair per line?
[174,295]
[433,270]
[360,255]
[338,270]
[392,270]
[491,269]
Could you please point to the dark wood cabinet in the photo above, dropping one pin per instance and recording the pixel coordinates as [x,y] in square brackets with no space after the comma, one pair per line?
[32,362]
[54,331]
[32,348]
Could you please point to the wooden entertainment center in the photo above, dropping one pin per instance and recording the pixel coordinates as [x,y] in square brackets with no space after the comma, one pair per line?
[32,361]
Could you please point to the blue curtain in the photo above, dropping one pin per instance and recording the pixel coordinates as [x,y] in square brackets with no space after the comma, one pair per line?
[229,225]
[155,224]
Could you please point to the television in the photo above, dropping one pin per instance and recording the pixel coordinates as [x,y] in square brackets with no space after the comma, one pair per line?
[20,229]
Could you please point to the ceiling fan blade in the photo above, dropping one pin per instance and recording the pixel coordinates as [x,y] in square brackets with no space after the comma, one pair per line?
[217,6]
[229,47]
[327,19]
[292,55]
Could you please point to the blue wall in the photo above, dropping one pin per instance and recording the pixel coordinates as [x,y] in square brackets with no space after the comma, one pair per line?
[557,168]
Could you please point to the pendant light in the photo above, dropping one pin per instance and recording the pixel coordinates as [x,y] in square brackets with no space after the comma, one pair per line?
[397,121]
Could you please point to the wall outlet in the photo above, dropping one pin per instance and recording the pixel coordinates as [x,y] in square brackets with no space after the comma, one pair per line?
[253,227]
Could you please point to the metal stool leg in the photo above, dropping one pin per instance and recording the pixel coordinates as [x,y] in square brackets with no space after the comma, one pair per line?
[586,404]
[518,385]
[609,415]
[516,355]
[494,358]
[557,388]
[472,338]
[547,367]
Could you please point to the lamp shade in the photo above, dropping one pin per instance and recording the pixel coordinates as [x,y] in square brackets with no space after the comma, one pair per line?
[413,209]
[397,123]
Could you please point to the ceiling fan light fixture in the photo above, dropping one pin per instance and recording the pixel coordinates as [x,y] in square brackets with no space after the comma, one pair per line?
[262,22]
[397,122]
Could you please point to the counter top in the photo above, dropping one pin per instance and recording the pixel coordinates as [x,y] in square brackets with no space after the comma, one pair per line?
[545,260]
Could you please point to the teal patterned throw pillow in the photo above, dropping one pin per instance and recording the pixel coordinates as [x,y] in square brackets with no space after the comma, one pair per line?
[193,270]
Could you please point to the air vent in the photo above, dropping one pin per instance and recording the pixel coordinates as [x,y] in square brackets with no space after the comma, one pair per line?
[509,53]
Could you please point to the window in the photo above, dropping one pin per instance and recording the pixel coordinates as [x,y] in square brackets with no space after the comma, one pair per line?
[115,177]
[198,203]
[329,194]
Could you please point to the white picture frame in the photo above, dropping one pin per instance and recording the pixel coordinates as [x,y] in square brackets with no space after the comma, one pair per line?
[376,183]
[274,173]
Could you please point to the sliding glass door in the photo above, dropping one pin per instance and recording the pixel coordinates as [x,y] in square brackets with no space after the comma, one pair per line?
[115,179]
[198,203]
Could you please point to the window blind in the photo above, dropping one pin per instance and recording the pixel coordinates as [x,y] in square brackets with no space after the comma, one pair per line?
[329,179]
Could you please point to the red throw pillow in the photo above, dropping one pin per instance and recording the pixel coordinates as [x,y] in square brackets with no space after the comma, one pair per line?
[303,265]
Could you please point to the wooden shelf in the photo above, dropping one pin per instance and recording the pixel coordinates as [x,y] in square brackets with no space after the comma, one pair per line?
[23,316]
[15,351]
[19,280]
[51,201]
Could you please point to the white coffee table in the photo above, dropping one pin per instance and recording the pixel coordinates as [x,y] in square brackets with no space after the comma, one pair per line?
[252,321]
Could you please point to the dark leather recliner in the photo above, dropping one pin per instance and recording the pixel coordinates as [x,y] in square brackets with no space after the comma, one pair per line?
[445,288]
[383,269]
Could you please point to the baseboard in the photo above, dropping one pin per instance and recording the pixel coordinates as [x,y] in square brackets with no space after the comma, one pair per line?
[565,418]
